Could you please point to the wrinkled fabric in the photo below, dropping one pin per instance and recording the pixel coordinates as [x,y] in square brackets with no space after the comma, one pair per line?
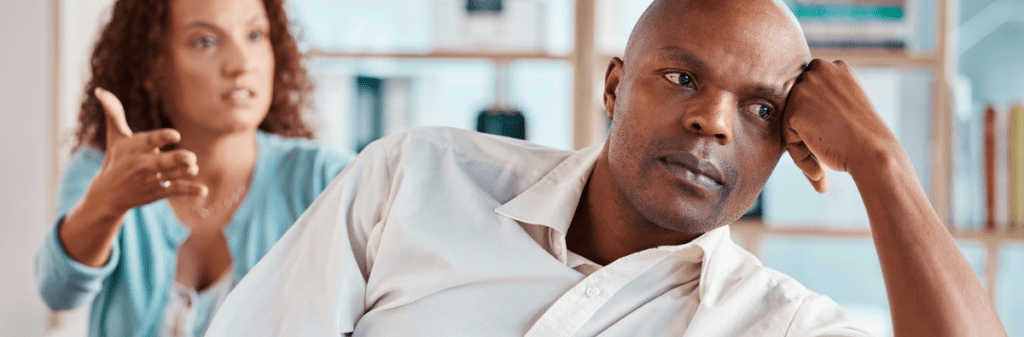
[446,232]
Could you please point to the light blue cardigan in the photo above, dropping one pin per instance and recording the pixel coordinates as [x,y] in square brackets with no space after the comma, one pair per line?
[129,294]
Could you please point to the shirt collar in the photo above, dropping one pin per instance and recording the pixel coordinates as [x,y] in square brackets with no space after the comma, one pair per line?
[552,200]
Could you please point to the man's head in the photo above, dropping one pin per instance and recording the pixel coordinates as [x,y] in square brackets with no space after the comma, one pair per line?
[696,107]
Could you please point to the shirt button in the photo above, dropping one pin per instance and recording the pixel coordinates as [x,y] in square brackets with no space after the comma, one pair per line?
[593,291]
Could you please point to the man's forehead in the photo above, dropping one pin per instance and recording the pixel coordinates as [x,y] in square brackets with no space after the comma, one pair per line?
[699,21]
[758,39]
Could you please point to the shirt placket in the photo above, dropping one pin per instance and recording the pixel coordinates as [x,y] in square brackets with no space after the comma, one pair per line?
[574,308]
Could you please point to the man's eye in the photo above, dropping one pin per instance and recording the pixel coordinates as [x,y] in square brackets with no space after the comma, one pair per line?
[679,78]
[760,110]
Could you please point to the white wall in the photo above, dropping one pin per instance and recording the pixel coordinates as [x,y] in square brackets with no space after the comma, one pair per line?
[26,110]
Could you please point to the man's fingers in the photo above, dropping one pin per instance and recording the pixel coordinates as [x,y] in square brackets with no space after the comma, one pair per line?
[813,170]
[805,161]
[117,124]
[820,185]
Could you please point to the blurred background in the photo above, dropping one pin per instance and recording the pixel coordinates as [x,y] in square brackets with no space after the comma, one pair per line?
[534,69]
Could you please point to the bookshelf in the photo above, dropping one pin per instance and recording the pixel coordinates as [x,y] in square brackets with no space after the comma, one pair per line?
[588,61]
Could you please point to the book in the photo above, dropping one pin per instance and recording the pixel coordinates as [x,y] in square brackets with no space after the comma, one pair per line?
[503,122]
[990,168]
[1016,163]
[877,24]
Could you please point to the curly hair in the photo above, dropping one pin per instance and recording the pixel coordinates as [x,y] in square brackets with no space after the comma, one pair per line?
[129,52]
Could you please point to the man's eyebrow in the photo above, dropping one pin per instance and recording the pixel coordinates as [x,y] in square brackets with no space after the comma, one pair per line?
[674,54]
[777,94]
[770,93]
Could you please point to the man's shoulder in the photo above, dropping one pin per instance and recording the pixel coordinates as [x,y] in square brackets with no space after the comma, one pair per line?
[472,146]
[761,281]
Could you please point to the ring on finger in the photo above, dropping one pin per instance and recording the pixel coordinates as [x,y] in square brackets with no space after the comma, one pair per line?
[163,183]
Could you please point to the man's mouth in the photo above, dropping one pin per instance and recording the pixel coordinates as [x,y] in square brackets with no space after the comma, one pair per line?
[700,173]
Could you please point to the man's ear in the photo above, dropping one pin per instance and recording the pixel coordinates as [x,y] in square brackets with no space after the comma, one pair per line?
[611,85]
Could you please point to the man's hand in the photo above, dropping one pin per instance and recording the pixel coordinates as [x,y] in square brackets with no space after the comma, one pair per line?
[829,121]
[931,288]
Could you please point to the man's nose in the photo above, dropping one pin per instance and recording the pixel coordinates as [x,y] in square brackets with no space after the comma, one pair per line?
[712,115]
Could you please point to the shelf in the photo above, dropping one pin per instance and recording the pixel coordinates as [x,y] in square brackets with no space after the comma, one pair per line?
[755,227]
[494,56]
[865,58]
[878,58]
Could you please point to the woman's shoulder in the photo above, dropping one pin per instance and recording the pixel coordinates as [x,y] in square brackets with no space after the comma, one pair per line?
[277,148]
[85,161]
[286,156]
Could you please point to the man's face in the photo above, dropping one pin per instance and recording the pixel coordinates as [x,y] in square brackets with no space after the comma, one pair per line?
[696,110]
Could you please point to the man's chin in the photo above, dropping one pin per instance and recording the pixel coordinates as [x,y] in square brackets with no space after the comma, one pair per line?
[688,217]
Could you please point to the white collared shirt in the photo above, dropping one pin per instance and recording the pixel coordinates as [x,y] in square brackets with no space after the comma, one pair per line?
[446,232]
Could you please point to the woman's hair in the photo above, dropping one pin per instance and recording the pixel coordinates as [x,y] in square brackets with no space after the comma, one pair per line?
[128,55]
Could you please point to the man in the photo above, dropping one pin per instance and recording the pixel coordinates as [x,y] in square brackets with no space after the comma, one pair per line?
[440,232]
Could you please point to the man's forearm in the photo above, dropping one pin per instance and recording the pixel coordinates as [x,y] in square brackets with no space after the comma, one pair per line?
[931,288]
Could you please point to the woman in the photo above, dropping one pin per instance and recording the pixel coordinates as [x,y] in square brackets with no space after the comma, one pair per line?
[171,198]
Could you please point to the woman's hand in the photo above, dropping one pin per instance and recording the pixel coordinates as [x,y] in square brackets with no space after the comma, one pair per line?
[134,173]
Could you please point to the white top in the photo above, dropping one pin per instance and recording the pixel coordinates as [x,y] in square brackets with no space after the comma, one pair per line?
[188,312]
[446,232]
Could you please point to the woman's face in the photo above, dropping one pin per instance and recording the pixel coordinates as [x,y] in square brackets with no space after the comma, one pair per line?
[220,65]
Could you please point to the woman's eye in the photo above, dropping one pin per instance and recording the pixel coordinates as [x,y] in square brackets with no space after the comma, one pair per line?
[679,78]
[256,36]
[205,42]
[760,110]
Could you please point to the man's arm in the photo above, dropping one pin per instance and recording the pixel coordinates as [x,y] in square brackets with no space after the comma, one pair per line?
[313,281]
[931,288]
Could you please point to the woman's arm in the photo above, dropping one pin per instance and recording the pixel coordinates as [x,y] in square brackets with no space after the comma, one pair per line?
[134,172]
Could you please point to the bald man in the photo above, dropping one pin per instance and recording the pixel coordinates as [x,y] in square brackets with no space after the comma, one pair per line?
[444,232]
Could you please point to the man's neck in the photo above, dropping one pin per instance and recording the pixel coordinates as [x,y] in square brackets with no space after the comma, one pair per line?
[607,227]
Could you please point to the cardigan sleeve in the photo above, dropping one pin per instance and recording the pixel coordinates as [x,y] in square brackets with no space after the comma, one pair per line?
[63,282]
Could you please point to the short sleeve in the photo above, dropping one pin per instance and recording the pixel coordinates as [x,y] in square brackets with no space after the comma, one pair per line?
[313,281]
[819,315]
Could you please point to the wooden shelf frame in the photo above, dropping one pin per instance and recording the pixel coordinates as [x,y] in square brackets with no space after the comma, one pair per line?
[752,234]
[497,57]
[588,61]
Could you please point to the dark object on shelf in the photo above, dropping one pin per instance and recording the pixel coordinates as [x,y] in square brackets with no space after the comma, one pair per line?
[483,6]
[504,122]
[369,112]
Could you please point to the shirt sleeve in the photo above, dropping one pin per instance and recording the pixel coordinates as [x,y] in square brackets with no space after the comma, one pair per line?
[313,281]
[818,315]
[63,282]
